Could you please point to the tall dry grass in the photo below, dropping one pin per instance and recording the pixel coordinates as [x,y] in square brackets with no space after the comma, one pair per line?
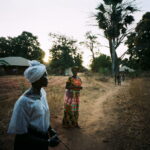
[55,99]
[11,87]
[137,87]
[139,108]
[132,106]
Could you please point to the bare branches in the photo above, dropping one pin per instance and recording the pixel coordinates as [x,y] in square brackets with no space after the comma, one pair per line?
[121,38]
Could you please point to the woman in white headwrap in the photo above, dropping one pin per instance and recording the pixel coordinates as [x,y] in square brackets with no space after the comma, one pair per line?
[30,121]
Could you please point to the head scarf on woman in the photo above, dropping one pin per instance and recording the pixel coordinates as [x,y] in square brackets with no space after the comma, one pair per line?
[35,71]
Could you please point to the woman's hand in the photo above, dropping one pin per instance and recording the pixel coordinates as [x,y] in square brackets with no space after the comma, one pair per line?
[52,132]
[73,87]
[78,87]
[53,141]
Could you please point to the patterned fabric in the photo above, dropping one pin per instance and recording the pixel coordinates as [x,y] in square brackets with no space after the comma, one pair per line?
[71,102]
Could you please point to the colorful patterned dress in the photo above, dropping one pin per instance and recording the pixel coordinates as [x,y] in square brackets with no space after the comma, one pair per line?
[71,102]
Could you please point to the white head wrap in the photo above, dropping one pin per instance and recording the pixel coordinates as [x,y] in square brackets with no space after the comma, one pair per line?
[35,71]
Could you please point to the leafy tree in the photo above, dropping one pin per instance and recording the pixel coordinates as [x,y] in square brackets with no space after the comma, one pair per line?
[64,54]
[78,61]
[113,17]
[103,62]
[91,43]
[5,47]
[139,44]
[25,45]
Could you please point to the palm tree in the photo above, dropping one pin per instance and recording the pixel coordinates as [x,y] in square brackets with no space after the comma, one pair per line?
[114,17]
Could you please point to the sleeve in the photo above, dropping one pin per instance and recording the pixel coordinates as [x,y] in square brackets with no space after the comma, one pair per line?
[68,83]
[81,81]
[31,139]
[69,80]
[19,120]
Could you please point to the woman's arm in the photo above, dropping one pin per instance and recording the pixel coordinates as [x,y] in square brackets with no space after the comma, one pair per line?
[69,86]
[29,138]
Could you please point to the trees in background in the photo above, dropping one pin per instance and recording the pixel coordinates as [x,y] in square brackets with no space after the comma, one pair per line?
[91,43]
[114,17]
[102,64]
[63,54]
[25,45]
[139,45]
[5,47]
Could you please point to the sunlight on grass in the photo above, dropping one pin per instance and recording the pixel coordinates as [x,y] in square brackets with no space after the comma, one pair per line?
[13,86]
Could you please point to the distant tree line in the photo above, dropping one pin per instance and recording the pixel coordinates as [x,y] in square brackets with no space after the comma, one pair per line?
[25,45]
[102,64]
[64,54]
[64,51]
[138,43]
[113,17]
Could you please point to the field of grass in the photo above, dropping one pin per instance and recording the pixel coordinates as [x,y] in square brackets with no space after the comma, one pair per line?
[11,87]
[132,108]
[128,109]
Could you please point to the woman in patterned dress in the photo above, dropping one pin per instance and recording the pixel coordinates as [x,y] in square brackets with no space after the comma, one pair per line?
[71,101]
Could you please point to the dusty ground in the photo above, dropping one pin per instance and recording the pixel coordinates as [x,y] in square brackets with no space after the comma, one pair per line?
[95,118]
[111,117]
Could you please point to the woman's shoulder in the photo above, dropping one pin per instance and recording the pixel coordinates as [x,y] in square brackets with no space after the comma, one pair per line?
[43,92]
[27,98]
[21,102]
[69,78]
[78,78]
[27,103]
[32,97]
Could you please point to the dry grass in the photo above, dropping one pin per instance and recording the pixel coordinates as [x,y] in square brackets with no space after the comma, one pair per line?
[11,87]
[132,106]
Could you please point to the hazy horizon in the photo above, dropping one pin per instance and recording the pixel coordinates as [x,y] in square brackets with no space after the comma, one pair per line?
[70,18]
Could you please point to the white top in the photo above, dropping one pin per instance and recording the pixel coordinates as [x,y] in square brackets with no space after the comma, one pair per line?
[28,111]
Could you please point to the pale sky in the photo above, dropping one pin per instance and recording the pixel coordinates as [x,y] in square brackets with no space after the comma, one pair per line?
[72,18]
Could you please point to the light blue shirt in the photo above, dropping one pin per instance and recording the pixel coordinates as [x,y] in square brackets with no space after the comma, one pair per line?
[28,111]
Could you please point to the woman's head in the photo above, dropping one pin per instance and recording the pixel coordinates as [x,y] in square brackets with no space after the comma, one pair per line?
[36,74]
[42,82]
[75,70]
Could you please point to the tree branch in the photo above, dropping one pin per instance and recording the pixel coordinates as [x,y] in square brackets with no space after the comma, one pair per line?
[120,39]
[123,54]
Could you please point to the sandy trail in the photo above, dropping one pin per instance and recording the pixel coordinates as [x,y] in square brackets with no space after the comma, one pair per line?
[94,120]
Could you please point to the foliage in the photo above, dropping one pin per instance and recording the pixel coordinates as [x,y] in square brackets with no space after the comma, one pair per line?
[101,64]
[113,17]
[64,54]
[25,45]
[91,43]
[139,44]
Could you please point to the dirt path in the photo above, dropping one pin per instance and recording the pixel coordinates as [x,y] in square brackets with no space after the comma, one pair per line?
[94,121]
[112,117]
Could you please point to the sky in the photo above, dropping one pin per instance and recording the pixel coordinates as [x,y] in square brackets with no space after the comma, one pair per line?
[72,18]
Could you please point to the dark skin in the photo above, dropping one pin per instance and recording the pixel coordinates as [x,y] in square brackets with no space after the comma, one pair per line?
[35,91]
[69,86]
[36,86]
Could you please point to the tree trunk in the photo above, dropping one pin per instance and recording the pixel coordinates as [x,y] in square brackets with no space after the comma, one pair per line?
[117,63]
[93,55]
[114,57]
